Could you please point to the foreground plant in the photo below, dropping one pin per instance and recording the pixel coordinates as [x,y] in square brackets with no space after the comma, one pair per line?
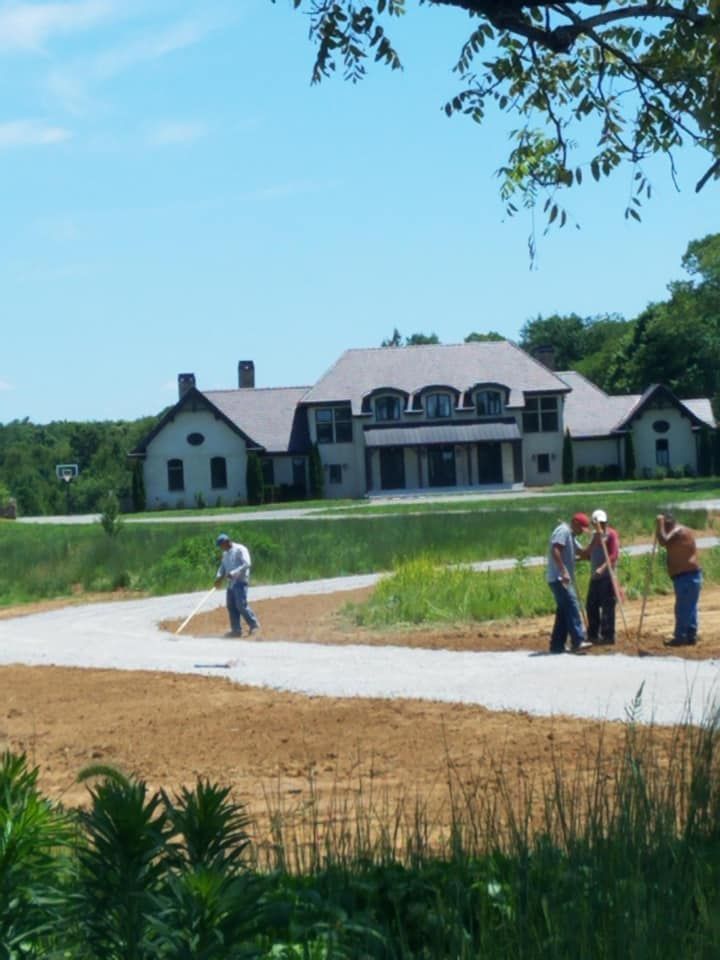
[33,837]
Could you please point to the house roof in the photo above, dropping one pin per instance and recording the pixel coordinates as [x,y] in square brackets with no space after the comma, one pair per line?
[269,418]
[440,433]
[268,415]
[590,412]
[409,369]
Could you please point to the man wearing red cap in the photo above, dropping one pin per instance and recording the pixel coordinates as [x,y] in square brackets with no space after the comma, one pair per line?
[560,576]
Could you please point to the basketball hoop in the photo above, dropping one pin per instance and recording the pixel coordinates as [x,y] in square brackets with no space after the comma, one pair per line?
[66,471]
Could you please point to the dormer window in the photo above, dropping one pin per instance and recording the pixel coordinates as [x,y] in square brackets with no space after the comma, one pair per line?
[438,405]
[488,403]
[387,408]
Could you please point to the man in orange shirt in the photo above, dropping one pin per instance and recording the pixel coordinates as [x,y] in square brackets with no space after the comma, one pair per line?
[683,566]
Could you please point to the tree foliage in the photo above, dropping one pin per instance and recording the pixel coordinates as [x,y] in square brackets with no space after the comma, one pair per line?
[254,479]
[414,340]
[591,85]
[29,453]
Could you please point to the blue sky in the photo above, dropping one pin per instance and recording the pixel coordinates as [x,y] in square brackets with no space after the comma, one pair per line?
[176,197]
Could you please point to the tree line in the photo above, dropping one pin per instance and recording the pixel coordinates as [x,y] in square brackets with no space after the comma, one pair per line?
[29,454]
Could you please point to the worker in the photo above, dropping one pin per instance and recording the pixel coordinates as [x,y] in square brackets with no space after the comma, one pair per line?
[234,568]
[602,552]
[560,575]
[683,566]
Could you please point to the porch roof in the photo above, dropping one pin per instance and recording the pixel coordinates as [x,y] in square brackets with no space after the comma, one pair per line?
[424,435]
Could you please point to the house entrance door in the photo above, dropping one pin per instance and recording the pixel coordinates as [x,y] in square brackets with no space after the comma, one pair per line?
[490,463]
[392,468]
[441,466]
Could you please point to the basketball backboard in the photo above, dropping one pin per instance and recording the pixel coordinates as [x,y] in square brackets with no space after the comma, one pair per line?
[66,471]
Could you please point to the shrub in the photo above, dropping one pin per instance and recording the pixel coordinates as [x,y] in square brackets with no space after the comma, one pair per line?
[110,519]
[254,480]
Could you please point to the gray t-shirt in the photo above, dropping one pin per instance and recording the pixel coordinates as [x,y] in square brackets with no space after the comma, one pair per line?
[562,535]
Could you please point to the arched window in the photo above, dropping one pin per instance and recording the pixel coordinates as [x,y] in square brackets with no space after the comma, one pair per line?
[218,473]
[387,408]
[438,405]
[488,403]
[175,475]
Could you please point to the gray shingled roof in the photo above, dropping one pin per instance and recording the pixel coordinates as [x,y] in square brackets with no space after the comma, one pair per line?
[440,433]
[268,415]
[460,366]
[590,412]
[702,408]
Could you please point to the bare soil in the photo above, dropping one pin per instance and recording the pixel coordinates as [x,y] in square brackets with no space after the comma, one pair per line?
[280,750]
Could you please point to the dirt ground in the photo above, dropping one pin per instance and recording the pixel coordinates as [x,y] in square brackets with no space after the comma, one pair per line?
[292,752]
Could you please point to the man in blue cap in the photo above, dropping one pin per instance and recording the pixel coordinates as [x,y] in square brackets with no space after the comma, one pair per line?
[235,569]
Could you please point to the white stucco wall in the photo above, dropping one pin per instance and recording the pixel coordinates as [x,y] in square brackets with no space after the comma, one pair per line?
[680,437]
[599,452]
[171,443]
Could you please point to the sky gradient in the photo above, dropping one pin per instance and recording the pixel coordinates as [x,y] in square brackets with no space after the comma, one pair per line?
[176,197]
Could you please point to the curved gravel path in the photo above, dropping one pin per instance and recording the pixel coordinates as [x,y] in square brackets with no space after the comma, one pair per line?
[125,636]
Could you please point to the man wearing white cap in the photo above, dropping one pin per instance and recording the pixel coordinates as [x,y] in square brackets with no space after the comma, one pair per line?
[235,569]
[603,552]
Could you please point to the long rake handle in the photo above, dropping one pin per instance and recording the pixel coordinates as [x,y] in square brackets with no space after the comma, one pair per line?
[187,619]
[646,588]
[614,582]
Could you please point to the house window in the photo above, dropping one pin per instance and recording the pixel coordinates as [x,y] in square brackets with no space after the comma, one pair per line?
[334,424]
[543,463]
[540,415]
[334,473]
[438,405]
[175,475]
[661,426]
[488,403]
[268,471]
[218,473]
[387,408]
[195,439]
[662,452]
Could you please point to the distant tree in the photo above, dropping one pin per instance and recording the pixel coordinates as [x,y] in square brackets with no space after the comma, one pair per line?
[110,519]
[139,497]
[414,340]
[316,476]
[568,460]
[630,462]
[563,333]
[394,341]
[491,336]
[705,453]
[254,479]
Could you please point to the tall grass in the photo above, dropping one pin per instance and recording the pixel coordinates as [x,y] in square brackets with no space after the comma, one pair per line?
[616,858]
[422,591]
[38,562]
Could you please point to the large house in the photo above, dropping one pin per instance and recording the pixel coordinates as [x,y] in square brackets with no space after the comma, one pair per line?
[395,419]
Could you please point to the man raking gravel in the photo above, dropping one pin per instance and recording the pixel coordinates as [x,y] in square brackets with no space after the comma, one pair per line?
[235,569]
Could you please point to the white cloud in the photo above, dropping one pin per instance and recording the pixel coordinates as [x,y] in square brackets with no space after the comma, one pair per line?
[71,83]
[165,134]
[28,26]
[30,133]
[5,385]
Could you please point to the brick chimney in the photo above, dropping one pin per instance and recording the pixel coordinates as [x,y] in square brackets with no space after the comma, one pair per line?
[246,374]
[186,381]
[545,354]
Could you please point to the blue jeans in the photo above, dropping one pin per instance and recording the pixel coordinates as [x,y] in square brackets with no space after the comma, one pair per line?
[568,618]
[687,594]
[237,606]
